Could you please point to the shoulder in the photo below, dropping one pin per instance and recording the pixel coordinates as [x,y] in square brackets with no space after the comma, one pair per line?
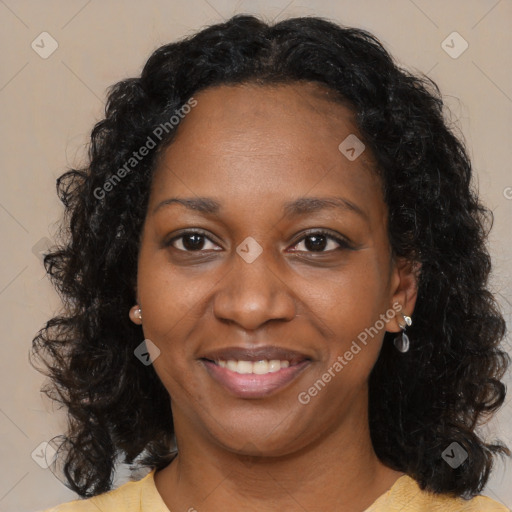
[406,494]
[434,503]
[127,498]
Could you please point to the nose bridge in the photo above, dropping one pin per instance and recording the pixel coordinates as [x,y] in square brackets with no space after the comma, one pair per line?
[252,292]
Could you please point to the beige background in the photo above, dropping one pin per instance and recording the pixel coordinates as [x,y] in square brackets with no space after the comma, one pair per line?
[48,107]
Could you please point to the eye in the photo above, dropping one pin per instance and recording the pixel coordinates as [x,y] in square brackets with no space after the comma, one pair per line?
[315,241]
[190,241]
[321,241]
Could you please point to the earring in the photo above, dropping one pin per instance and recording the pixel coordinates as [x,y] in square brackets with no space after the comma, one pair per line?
[136,314]
[401,341]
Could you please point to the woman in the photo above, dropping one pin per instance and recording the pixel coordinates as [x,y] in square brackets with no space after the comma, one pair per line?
[275,279]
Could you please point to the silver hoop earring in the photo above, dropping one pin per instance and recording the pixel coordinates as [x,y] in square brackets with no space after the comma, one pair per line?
[401,341]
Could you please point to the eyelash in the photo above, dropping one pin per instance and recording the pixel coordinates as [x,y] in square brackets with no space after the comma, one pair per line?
[343,243]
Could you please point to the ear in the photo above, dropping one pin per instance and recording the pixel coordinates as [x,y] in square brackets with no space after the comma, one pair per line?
[404,288]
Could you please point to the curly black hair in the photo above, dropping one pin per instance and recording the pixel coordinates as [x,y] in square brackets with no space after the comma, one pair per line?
[421,401]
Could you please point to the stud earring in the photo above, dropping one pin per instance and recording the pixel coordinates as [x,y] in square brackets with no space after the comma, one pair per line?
[401,341]
[136,314]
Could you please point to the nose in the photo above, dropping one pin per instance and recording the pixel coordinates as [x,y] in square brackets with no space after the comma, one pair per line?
[252,294]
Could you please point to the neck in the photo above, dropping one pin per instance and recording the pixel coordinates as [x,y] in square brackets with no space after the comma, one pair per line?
[339,470]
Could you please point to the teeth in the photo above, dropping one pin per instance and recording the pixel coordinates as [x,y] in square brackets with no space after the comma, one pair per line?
[259,367]
[232,365]
[244,367]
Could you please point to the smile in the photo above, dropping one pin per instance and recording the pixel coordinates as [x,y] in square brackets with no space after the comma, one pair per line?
[258,367]
[252,380]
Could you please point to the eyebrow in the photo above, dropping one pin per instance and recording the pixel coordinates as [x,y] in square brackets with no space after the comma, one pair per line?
[306,205]
[300,206]
[202,204]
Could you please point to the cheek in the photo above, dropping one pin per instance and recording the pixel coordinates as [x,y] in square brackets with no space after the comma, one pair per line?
[349,307]
[167,295]
[175,307]
[349,300]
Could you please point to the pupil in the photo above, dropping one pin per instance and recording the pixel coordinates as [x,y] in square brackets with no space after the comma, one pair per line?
[318,242]
[197,243]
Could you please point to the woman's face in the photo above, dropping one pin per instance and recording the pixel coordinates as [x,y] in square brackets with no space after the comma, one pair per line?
[257,171]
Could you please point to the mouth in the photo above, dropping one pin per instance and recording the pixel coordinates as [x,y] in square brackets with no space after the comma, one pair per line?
[254,373]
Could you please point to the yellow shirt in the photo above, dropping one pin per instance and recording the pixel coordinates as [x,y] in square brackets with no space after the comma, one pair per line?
[403,496]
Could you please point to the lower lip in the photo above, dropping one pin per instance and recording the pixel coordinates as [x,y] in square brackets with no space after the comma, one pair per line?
[250,385]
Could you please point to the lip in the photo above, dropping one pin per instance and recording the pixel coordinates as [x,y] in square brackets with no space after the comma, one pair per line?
[251,385]
[254,354]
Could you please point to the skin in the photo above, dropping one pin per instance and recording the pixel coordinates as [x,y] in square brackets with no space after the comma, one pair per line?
[253,148]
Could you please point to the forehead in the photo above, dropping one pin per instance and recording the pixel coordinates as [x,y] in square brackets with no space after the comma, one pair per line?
[266,139]
[271,114]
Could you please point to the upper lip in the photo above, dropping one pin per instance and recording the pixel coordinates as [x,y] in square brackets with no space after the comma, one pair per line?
[267,352]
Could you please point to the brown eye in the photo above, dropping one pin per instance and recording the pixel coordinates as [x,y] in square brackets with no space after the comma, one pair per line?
[192,241]
[320,241]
